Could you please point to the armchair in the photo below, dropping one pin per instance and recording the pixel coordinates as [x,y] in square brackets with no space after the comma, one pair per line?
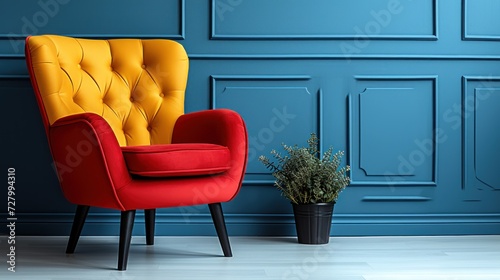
[113,112]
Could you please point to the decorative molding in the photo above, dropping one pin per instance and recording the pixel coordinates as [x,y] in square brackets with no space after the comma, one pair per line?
[113,217]
[320,120]
[14,77]
[180,36]
[395,199]
[392,181]
[431,37]
[103,224]
[465,32]
[12,56]
[250,182]
[214,56]
[469,173]
[261,77]
[215,78]
[395,77]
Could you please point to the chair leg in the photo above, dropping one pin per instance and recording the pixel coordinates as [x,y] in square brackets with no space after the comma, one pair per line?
[76,229]
[126,226]
[149,219]
[220,227]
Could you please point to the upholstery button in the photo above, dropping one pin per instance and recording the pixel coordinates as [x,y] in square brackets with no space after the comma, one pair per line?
[162,95]
[79,66]
[143,66]
[149,128]
[131,99]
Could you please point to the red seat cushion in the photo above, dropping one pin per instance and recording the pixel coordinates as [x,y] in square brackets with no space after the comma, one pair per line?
[173,160]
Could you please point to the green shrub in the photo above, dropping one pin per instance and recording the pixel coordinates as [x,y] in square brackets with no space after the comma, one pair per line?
[304,177]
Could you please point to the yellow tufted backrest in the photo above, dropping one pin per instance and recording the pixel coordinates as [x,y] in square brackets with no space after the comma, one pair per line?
[136,85]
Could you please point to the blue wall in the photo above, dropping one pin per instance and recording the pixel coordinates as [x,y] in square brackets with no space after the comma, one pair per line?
[409,89]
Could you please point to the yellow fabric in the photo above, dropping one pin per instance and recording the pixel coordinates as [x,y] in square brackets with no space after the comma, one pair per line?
[136,85]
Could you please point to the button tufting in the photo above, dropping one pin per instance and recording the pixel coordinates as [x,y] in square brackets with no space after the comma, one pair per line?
[131,99]
[162,95]
[143,66]
[149,128]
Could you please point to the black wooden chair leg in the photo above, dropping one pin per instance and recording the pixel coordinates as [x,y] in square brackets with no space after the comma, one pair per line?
[126,226]
[220,227]
[149,219]
[76,229]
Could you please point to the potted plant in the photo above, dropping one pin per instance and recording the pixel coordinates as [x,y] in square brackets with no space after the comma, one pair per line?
[312,182]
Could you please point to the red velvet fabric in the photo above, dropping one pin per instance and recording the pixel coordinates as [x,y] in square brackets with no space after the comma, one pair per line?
[88,160]
[174,160]
[93,171]
[222,127]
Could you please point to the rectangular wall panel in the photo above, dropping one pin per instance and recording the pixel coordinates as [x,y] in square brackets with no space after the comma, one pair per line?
[93,18]
[481,134]
[480,20]
[392,131]
[325,19]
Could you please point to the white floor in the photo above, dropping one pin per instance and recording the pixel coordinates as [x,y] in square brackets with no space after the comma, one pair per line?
[345,258]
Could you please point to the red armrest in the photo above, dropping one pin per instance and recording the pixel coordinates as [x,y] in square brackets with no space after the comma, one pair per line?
[219,126]
[88,160]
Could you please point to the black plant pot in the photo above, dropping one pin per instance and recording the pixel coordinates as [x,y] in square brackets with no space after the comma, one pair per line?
[313,222]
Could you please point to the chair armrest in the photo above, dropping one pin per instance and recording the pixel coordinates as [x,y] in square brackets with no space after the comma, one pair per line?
[219,126]
[88,160]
